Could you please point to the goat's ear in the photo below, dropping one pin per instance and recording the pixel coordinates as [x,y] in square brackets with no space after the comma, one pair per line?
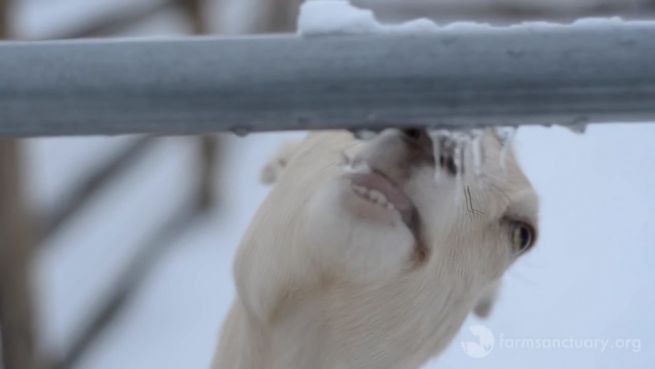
[486,303]
[276,165]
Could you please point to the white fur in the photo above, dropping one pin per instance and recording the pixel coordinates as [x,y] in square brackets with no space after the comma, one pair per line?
[321,288]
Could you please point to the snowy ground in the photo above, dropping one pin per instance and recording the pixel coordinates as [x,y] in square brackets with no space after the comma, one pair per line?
[590,276]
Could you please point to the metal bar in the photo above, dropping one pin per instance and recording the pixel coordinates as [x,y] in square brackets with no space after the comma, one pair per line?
[505,76]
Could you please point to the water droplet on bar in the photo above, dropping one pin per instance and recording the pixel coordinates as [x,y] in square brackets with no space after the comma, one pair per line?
[241,132]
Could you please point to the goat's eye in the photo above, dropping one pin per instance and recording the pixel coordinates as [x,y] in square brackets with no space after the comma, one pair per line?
[522,236]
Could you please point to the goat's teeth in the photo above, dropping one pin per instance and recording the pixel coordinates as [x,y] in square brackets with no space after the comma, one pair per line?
[374,196]
[377,196]
[359,189]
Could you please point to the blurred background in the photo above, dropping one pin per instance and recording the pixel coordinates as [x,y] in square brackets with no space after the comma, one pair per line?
[116,252]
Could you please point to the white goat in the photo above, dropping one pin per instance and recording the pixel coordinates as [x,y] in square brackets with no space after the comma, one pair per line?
[359,258]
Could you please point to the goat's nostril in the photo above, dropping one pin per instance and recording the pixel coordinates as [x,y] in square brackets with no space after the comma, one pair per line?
[413,133]
[420,143]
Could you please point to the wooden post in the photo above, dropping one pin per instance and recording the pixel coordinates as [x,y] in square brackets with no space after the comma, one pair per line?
[207,145]
[16,325]
[194,9]
[15,300]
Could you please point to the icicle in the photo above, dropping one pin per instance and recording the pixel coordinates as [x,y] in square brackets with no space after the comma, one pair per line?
[458,155]
[476,151]
[467,150]
[470,140]
[436,136]
[579,128]
[459,190]
[506,136]
[458,158]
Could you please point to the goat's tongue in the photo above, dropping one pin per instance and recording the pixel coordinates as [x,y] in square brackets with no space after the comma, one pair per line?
[395,196]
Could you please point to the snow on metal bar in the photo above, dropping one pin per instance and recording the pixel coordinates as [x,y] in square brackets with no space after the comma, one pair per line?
[457,77]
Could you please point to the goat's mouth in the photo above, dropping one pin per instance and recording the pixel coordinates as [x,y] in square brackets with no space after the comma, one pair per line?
[378,190]
[377,197]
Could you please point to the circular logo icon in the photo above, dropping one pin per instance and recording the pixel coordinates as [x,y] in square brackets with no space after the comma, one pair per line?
[483,345]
